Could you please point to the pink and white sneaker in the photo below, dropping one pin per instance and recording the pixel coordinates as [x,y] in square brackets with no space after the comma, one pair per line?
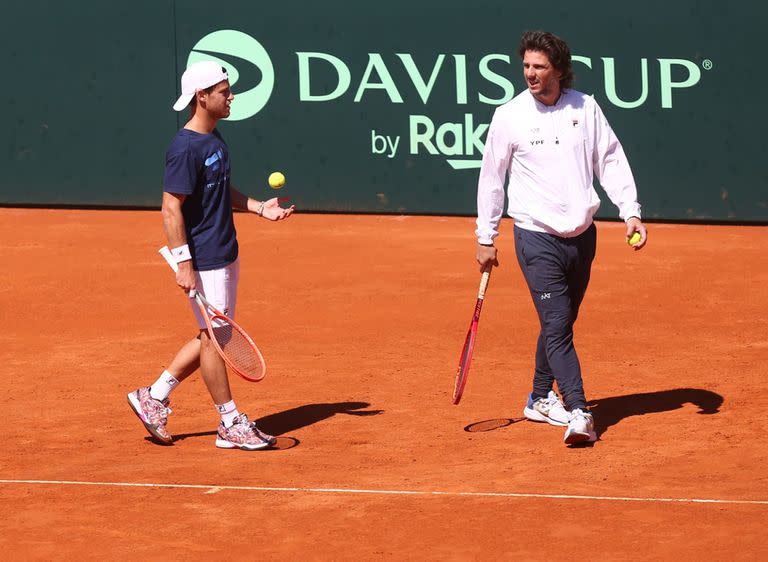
[243,434]
[152,413]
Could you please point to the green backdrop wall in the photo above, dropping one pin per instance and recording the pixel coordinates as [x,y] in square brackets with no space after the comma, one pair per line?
[376,108]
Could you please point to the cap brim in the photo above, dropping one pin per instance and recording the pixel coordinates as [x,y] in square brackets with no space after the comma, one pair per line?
[183,101]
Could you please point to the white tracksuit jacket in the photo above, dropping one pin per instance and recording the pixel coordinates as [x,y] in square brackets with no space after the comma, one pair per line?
[551,155]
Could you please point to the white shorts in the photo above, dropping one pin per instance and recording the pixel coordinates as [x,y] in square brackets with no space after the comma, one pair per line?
[219,287]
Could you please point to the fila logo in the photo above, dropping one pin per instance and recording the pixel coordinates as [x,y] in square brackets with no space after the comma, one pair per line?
[545,296]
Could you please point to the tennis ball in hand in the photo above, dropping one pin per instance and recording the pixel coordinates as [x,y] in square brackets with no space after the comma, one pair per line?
[276,180]
[635,239]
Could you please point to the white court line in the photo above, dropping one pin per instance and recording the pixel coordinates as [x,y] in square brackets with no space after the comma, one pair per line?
[214,488]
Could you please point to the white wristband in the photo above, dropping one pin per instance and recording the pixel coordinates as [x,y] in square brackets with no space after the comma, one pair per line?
[181,253]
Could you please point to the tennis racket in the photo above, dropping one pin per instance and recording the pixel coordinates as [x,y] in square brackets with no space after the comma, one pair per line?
[469,343]
[232,342]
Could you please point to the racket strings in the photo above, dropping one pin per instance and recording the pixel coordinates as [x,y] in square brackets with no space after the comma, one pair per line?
[238,349]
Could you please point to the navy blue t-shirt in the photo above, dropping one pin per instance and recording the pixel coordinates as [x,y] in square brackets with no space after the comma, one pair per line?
[197,165]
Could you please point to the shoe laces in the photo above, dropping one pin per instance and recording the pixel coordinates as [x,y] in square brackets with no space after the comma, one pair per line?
[251,427]
[241,425]
[581,415]
[553,397]
[242,419]
[549,401]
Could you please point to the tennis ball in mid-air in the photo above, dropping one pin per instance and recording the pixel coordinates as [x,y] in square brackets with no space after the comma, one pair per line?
[276,180]
[634,239]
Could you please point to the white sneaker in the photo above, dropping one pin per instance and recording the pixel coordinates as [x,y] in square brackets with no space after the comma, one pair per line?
[581,428]
[549,409]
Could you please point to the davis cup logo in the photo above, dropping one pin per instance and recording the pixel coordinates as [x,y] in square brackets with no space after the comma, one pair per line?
[247,64]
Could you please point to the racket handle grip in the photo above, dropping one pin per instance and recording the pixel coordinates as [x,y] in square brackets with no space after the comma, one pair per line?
[484,283]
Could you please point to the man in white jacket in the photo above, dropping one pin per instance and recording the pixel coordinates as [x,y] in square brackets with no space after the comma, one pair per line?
[549,142]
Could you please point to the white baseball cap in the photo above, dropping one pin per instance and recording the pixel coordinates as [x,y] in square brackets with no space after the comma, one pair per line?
[199,76]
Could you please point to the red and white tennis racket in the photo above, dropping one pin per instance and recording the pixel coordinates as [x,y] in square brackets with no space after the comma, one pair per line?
[469,342]
[232,342]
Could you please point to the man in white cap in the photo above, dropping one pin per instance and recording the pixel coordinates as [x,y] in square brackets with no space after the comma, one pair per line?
[198,199]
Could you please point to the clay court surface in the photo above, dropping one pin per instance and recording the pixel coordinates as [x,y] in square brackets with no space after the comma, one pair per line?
[361,320]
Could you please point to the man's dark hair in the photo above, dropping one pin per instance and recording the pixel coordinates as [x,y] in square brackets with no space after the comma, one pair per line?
[556,49]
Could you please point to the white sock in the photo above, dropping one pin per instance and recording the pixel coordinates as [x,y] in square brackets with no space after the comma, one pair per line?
[162,387]
[228,413]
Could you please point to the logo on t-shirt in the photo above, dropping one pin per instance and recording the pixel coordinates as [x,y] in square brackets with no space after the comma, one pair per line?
[214,162]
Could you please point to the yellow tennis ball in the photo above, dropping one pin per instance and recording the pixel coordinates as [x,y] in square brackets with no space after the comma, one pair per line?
[635,239]
[276,180]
